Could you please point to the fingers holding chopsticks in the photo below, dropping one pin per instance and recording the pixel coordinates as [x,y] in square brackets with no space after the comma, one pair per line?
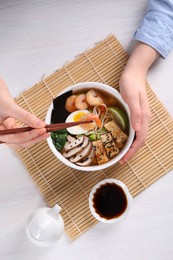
[9,111]
[26,117]
[23,139]
[30,142]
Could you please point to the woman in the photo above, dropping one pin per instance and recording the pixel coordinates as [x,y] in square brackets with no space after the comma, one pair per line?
[154,37]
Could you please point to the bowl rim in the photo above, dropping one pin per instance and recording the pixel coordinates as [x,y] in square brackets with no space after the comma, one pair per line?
[109,89]
[128,196]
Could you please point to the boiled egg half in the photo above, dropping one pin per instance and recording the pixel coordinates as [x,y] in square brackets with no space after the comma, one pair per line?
[76,116]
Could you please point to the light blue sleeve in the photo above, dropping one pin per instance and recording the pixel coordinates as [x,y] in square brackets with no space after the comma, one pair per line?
[156,29]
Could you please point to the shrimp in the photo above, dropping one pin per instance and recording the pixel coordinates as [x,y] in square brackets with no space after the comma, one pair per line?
[80,102]
[95,119]
[93,98]
[70,104]
[89,126]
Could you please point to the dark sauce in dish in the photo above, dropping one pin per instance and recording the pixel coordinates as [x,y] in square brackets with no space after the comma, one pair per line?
[109,201]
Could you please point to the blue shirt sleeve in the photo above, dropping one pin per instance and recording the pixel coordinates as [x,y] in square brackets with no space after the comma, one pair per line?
[156,29]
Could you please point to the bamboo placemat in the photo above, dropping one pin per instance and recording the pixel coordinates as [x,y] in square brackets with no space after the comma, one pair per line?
[68,187]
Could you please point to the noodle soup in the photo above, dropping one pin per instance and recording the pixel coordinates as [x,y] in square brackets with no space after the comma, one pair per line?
[93,145]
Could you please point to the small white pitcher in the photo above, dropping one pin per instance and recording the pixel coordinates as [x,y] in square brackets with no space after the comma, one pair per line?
[45,226]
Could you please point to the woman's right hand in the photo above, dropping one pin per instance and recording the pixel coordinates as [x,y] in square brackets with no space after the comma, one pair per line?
[9,111]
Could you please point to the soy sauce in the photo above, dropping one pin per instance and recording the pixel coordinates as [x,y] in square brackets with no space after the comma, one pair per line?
[109,201]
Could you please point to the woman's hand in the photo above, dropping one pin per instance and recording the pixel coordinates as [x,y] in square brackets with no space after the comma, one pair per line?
[133,91]
[9,111]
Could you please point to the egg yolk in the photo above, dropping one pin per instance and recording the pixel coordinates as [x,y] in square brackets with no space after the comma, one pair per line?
[77,116]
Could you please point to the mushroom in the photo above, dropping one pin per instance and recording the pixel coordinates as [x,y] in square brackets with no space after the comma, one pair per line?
[70,138]
[82,154]
[72,152]
[85,142]
[88,160]
[76,142]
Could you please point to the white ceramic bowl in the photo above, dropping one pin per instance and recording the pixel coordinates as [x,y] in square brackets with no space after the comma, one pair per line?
[128,196]
[112,91]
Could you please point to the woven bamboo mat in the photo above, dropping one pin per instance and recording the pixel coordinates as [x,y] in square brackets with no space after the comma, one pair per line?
[68,187]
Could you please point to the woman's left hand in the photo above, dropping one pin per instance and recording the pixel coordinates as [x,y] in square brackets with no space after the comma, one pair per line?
[133,91]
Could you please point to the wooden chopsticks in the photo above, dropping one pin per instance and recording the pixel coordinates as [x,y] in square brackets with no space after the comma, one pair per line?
[49,128]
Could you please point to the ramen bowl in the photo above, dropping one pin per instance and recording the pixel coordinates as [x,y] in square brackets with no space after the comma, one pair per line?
[106,148]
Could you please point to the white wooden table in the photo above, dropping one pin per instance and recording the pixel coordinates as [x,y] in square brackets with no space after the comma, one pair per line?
[38,37]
